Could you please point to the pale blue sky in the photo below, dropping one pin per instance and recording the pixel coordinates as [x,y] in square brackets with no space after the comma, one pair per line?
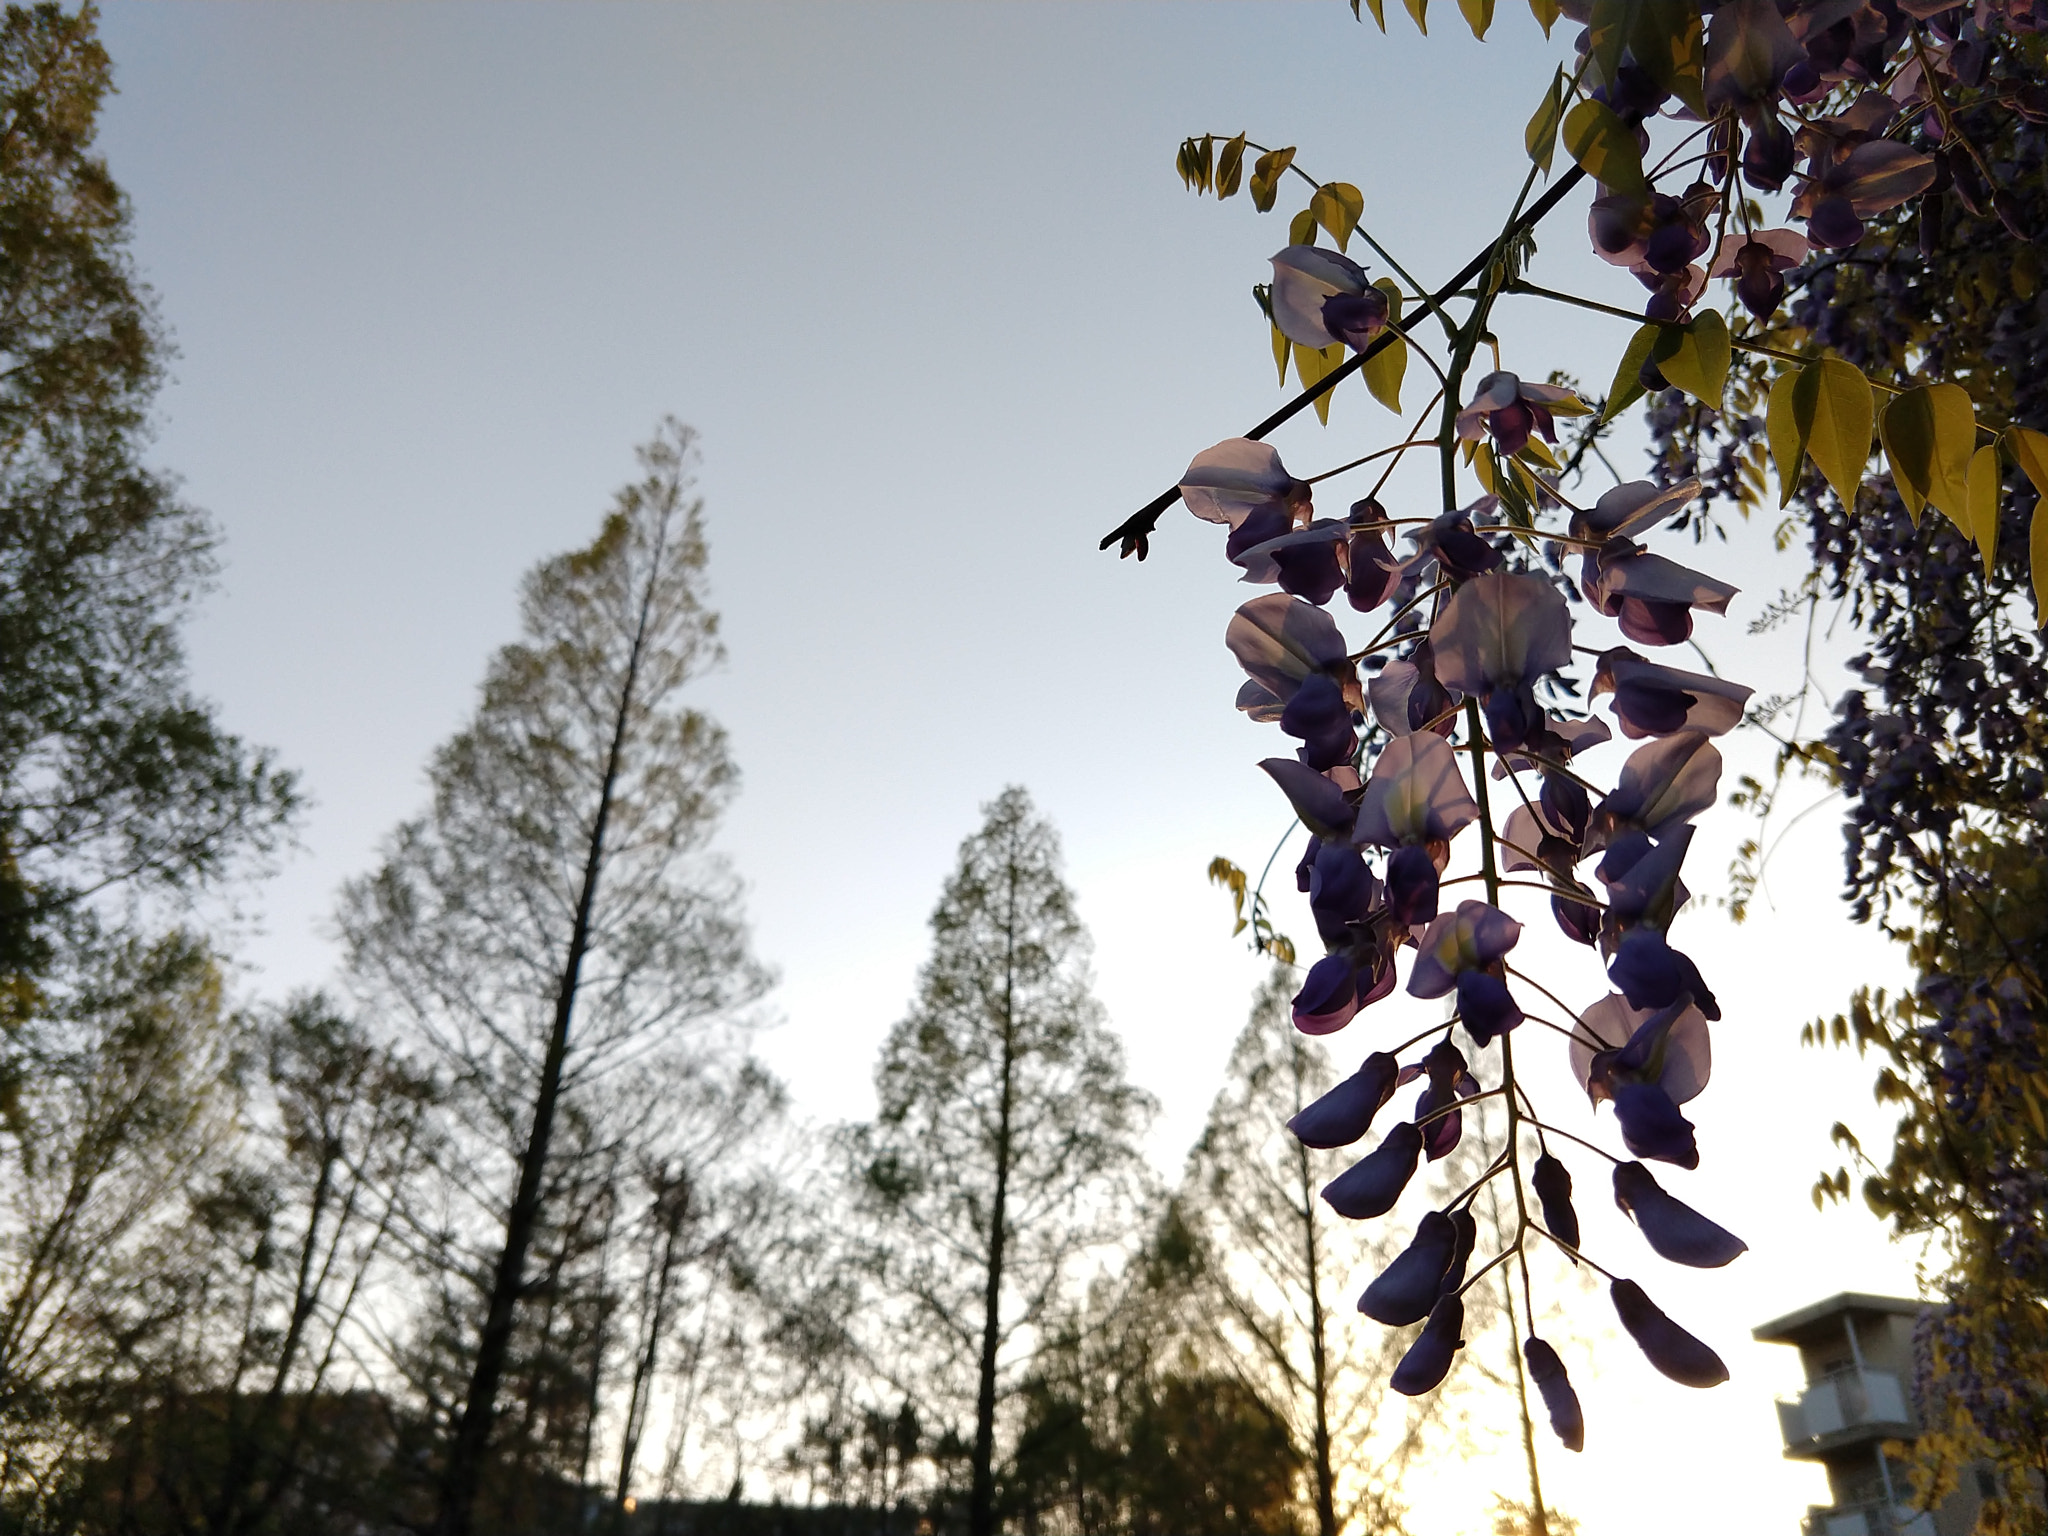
[925,280]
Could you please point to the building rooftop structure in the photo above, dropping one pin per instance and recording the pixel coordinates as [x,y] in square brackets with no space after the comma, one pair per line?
[1855,1412]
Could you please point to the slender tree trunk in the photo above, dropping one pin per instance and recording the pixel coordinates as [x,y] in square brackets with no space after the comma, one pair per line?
[675,1211]
[981,1518]
[1318,1349]
[464,1470]
[1539,1518]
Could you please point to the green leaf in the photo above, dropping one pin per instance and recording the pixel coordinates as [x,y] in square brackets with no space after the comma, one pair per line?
[1981,493]
[1695,357]
[1483,467]
[1384,370]
[1832,405]
[1929,434]
[1546,13]
[1627,388]
[1229,166]
[1478,16]
[1605,146]
[1266,174]
[1302,230]
[1310,365]
[2037,560]
[1787,438]
[1419,10]
[1540,137]
[1338,206]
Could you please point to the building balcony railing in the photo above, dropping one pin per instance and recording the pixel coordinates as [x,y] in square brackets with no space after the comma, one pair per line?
[1872,1519]
[1841,1409]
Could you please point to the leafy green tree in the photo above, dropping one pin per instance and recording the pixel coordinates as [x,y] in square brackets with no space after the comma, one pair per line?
[1005,1148]
[1274,1265]
[557,915]
[113,775]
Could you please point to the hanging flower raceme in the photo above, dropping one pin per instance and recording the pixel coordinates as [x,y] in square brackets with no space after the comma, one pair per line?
[1323,297]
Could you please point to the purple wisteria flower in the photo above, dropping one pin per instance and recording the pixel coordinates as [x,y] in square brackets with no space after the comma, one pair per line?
[1372,1186]
[1406,696]
[1669,1347]
[1502,404]
[1664,784]
[1428,1360]
[1464,951]
[1552,1182]
[1632,509]
[1408,1288]
[1494,638]
[1759,264]
[1281,641]
[1646,1064]
[1567,1421]
[1449,1082]
[1344,1114]
[1323,297]
[1655,700]
[1455,543]
[1673,1229]
[1652,598]
[1227,483]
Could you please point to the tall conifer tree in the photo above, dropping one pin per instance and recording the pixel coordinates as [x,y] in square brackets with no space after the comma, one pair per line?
[1005,1145]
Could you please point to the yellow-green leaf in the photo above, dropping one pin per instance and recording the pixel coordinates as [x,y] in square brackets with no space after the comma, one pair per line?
[1302,230]
[1982,495]
[2037,560]
[2029,450]
[1540,137]
[1478,16]
[1338,206]
[1627,388]
[1384,370]
[1266,174]
[1605,146]
[1787,438]
[1310,365]
[1695,356]
[1419,9]
[1482,466]
[1378,14]
[1281,346]
[1929,434]
[1539,450]
[1229,166]
[1832,404]
[1546,14]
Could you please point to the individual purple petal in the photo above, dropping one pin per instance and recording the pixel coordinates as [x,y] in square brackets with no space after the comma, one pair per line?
[1305,278]
[1552,1182]
[1663,784]
[1486,1006]
[1578,921]
[1372,1186]
[1833,224]
[1641,876]
[1320,716]
[1875,176]
[1406,697]
[1474,936]
[1669,1347]
[1342,892]
[1328,999]
[1501,630]
[1654,700]
[1567,1421]
[1316,799]
[1408,1287]
[1521,840]
[1305,561]
[1259,703]
[1651,974]
[1669,1046]
[1344,1114]
[1415,794]
[1652,1127]
[1673,1229]
[1226,482]
[1428,1360]
[1372,571]
[1461,1252]
[1412,882]
[1459,548]
[1261,525]
[1279,640]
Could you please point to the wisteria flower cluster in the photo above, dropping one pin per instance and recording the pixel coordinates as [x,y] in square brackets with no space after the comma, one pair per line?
[1388,776]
